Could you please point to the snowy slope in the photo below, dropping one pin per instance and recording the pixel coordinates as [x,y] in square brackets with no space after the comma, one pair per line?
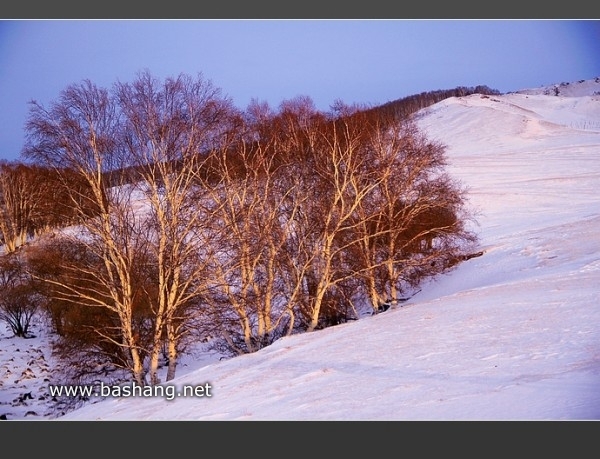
[568,89]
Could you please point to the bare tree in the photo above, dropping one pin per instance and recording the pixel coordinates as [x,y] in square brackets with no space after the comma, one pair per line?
[335,178]
[138,150]
[170,126]
[21,195]
[414,223]
[252,199]
[307,215]
[35,199]
[381,214]
[19,301]
[13,208]
[80,133]
[73,281]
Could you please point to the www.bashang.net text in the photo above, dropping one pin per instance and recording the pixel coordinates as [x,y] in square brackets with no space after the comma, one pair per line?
[168,392]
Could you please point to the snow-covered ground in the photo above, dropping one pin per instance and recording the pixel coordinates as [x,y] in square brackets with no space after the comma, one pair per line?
[511,335]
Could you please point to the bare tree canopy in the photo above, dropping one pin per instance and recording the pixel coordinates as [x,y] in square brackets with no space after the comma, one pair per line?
[196,220]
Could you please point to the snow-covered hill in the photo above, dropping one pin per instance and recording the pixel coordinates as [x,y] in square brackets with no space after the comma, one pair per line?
[513,334]
[567,89]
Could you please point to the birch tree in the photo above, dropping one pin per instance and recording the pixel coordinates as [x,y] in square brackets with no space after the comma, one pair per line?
[335,179]
[414,222]
[80,133]
[171,127]
[22,195]
[381,213]
[252,196]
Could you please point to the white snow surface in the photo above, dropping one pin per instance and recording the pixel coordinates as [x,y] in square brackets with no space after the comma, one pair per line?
[511,335]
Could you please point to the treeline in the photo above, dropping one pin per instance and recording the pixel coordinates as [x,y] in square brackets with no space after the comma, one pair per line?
[407,106]
[36,199]
[194,220]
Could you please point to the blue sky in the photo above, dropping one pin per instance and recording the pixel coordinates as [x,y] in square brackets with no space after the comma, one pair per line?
[357,61]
